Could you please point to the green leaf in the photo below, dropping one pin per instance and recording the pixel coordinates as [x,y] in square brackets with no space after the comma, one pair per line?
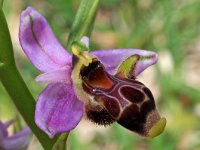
[127,67]
[84,21]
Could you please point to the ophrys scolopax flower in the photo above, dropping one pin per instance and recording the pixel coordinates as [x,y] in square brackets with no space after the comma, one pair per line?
[102,84]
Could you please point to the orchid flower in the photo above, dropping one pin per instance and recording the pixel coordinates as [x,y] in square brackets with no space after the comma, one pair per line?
[18,141]
[100,84]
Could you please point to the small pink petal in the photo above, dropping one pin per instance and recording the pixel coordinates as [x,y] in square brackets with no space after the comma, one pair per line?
[59,75]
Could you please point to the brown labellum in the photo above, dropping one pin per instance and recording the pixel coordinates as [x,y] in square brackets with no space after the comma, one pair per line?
[117,98]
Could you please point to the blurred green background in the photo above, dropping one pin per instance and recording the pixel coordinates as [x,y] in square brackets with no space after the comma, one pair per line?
[169,27]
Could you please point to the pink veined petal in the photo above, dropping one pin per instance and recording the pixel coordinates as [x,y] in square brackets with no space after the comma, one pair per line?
[58,109]
[59,75]
[39,42]
[111,59]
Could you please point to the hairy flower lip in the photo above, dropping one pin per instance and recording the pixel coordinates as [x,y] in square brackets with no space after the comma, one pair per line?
[47,55]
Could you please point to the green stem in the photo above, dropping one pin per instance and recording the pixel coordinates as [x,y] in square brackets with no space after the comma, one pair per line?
[16,87]
[84,21]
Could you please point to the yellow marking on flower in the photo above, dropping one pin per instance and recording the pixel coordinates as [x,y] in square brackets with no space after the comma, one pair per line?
[83,60]
[158,128]
[83,57]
